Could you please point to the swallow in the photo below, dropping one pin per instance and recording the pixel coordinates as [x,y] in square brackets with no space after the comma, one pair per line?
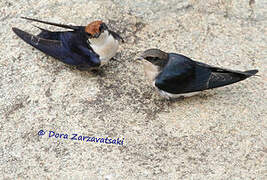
[81,46]
[175,75]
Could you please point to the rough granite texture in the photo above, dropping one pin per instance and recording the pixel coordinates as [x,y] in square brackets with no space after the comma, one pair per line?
[219,134]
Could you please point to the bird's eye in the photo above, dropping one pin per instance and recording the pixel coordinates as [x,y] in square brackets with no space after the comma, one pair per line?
[103,27]
[152,59]
[88,34]
[156,61]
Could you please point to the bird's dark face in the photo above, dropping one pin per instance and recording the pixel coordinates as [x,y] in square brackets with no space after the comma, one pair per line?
[155,57]
[157,61]
[95,29]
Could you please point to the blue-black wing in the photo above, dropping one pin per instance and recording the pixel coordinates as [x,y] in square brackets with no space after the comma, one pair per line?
[183,75]
[179,75]
[68,46]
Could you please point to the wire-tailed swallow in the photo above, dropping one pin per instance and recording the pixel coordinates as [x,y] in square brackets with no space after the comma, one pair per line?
[84,46]
[176,75]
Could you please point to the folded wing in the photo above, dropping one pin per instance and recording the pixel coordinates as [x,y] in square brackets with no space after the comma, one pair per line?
[62,47]
[183,75]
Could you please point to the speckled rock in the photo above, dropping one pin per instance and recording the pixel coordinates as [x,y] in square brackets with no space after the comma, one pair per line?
[219,134]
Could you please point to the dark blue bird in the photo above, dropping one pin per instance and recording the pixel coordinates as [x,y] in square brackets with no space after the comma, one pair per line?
[176,75]
[81,46]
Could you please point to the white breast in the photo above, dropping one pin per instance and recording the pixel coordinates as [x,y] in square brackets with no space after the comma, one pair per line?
[105,46]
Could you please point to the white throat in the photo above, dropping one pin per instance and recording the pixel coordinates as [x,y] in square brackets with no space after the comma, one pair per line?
[151,70]
[100,40]
[105,46]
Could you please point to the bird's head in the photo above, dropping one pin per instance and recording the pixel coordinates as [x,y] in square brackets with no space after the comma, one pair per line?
[96,30]
[154,57]
[153,60]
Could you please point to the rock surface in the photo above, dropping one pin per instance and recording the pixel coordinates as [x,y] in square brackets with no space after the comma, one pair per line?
[219,134]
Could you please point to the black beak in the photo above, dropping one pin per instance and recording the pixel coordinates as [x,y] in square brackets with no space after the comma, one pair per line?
[103,27]
[139,59]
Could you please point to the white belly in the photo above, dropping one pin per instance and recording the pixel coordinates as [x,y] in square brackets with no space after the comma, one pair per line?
[170,95]
[106,50]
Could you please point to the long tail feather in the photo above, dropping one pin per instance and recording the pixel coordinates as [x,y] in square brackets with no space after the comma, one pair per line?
[223,79]
[42,29]
[252,72]
[54,24]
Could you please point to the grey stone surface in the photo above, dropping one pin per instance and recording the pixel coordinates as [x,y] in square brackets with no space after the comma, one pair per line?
[219,134]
